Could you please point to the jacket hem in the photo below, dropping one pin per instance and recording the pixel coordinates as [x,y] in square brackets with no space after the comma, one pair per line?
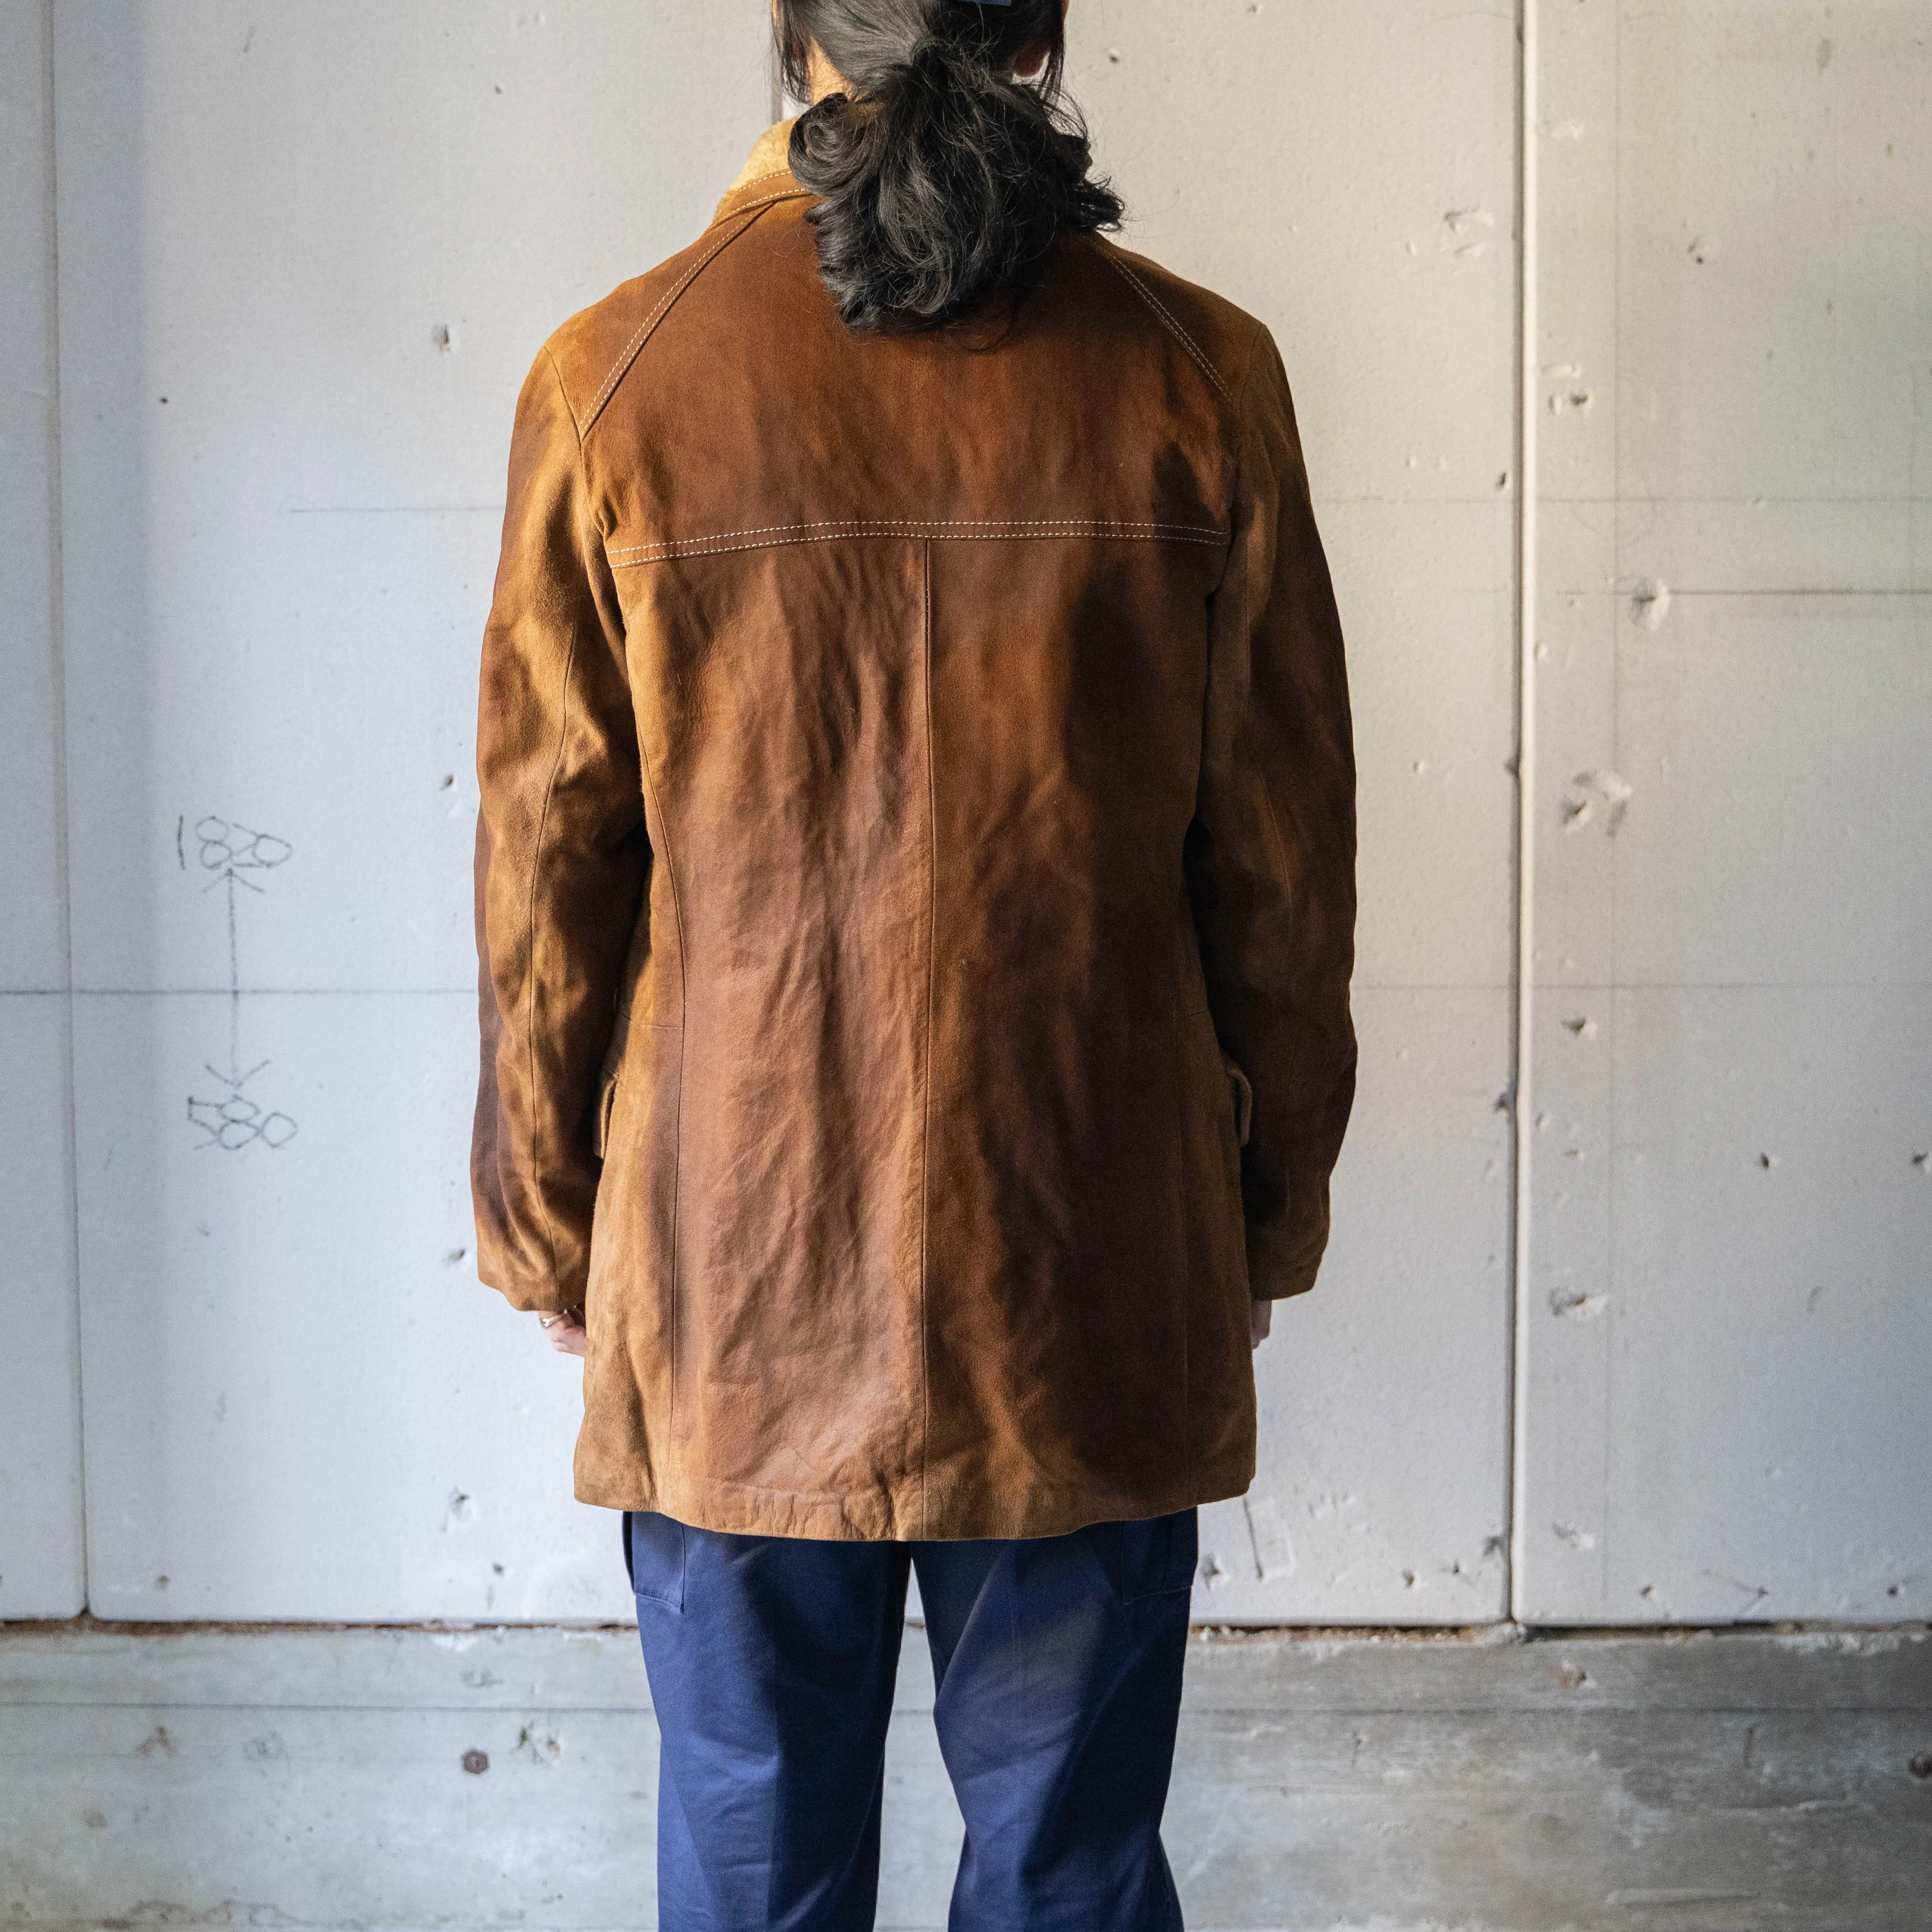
[892,1516]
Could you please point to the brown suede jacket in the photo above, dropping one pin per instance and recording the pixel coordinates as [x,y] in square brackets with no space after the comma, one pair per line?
[915,890]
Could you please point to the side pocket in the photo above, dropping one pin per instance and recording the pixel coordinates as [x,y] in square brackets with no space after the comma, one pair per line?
[1154,1558]
[1244,1097]
[600,1125]
[654,1554]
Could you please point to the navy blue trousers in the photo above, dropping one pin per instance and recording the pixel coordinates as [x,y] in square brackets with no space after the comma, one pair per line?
[772,1661]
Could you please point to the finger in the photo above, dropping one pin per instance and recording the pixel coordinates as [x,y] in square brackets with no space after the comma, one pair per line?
[567,1334]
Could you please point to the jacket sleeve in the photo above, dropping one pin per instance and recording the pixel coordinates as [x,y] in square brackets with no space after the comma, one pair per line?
[562,858]
[1271,853]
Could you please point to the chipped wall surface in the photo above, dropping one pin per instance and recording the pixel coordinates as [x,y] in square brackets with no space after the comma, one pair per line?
[305,257]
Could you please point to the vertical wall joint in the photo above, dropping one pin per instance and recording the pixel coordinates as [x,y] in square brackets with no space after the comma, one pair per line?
[1526,419]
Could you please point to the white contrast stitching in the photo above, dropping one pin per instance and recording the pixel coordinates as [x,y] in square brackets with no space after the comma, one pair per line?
[926,1066]
[763,201]
[939,523]
[775,535]
[706,546]
[1153,302]
[650,322]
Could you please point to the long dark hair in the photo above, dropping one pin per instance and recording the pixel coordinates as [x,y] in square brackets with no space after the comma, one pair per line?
[944,178]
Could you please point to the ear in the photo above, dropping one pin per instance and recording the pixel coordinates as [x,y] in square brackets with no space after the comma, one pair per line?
[1032,59]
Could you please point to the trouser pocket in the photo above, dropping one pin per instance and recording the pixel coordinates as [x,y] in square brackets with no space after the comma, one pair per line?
[654,1557]
[1149,1558]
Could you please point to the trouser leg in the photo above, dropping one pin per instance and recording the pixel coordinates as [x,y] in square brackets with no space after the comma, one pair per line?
[772,1662]
[1058,1663]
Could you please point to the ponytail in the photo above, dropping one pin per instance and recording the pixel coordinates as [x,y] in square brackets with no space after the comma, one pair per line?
[944,179]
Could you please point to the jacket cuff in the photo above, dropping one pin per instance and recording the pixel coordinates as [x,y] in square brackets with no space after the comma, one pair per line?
[1281,1265]
[530,1294]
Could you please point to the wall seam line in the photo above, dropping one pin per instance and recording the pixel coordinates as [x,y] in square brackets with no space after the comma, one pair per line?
[1523,1072]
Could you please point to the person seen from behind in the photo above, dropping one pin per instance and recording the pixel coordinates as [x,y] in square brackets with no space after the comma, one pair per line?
[915,898]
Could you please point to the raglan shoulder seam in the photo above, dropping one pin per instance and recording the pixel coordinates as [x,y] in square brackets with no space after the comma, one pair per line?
[563,391]
[628,355]
[1116,260]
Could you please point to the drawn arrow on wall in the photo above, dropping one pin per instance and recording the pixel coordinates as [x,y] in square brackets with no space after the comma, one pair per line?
[230,851]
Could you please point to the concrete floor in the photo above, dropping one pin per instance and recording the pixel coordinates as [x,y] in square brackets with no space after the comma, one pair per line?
[1494,1782]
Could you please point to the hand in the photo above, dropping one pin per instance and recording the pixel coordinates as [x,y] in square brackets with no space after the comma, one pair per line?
[565,1333]
[1261,1318]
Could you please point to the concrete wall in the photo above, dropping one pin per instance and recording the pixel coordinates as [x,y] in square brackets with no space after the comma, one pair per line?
[304,255]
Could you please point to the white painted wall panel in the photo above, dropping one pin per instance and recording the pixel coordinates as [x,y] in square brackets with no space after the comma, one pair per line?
[1310,163]
[309,254]
[32,950]
[1347,173]
[40,1567]
[1727,1415]
[1380,1498]
[311,1408]
[332,239]
[41,1572]
[1425,591]
[286,566]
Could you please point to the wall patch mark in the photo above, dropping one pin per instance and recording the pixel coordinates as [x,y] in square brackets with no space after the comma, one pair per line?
[1589,790]
[1578,1307]
[1274,1552]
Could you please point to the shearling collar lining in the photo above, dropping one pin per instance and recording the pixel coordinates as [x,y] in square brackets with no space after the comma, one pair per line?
[768,156]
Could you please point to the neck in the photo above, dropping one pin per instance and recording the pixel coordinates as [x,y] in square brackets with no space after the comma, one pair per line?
[826,78]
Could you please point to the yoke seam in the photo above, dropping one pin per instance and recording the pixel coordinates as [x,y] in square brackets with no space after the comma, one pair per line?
[647,553]
[917,525]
